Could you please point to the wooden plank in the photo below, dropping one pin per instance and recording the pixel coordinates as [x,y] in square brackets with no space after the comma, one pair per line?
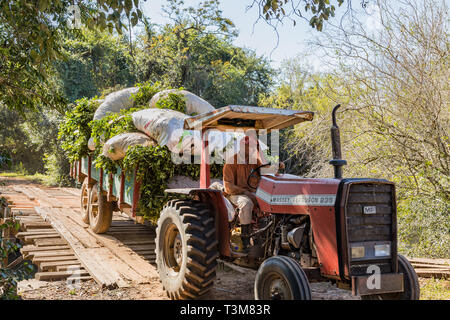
[57,275]
[433,273]
[31,248]
[48,259]
[432,266]
[77,231]
[85,255]
[49,242]
[38,232]
[128,256]
[51,253]
[430,261]
[30,239]
[150,246]
[53,265]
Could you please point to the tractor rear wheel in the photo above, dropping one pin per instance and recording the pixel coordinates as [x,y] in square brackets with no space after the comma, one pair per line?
[411,284]
[100,210]
[281,278]
[186,249]
[85,201]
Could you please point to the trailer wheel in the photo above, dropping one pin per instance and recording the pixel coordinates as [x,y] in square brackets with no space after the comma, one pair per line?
[100,211]
[85,201]
[281,278]
[410,284]
[186,249]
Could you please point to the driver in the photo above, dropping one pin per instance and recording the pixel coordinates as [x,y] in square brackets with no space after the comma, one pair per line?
[236,189]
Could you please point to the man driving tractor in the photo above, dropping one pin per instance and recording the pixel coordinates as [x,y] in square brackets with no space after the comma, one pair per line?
[237,190]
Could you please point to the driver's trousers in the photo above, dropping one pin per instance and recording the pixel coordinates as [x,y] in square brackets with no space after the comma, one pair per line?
[245,206]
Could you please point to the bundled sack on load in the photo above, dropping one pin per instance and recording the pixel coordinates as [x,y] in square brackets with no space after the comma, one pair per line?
[166,127]
[116,147]
[194,104]
[116,101]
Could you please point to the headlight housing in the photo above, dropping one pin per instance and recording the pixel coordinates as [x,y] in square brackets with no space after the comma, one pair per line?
[382,250]
[358,252]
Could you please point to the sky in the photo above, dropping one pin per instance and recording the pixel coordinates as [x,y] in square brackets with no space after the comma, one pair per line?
[260,36]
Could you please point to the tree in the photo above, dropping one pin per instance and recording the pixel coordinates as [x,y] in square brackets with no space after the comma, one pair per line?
[397,79]
[195,51]
[94,61]
[30,38]
[315,12]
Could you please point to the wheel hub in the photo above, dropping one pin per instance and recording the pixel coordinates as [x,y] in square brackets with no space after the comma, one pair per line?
[278,289]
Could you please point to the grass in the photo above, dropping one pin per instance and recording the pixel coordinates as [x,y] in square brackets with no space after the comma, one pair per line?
[434,289]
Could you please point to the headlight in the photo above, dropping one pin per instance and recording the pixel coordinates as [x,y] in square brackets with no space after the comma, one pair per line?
[358,252]
[382,250]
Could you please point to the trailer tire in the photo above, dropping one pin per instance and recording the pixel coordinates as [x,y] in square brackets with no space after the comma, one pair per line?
[84,208]
[281,278]
[100,211]
[186,249]
[411,284]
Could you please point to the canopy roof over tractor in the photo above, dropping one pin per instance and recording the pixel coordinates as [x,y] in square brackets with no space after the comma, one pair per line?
[247,117]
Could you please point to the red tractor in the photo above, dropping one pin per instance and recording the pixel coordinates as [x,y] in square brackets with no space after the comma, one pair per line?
[339,229]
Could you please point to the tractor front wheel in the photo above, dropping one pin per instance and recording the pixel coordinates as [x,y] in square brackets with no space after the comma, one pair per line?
[281,278]
[186,249]
[100,210]
[411,286]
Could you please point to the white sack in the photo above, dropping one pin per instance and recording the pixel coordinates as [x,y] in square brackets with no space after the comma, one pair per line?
[116,147]
[116,101]
[165,126]
[194,104]
[91,144]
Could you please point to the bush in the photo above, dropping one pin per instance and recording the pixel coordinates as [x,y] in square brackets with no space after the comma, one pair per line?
[424,226]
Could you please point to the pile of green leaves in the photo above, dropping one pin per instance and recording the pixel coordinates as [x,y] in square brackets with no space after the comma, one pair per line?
[74,131]
[173,101]
[146,91]
[155,168]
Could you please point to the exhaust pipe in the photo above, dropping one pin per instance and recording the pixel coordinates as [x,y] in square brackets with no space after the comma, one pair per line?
[337,161]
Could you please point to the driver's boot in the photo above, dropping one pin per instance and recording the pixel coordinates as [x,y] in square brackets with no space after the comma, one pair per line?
[245,233]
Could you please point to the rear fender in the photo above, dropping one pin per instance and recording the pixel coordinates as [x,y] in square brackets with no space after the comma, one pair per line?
[215,200]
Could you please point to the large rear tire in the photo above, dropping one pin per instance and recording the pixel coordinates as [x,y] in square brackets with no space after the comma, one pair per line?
[100,211]
[410,284]
[186,249]
[84,207]
[281,278]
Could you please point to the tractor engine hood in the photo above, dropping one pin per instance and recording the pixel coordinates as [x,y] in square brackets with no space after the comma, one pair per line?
[291,194]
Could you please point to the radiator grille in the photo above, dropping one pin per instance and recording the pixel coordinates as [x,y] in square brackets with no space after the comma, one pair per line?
[363,227]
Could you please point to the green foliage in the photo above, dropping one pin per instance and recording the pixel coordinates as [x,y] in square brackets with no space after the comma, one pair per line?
[31,40]
[94,61]
[319,10]
[146,91]
[424,226]
[74,131]
[155,168]
[195,51]
[10,277]
[173,101]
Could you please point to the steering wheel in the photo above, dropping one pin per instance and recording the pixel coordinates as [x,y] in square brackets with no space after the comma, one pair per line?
[252,173]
